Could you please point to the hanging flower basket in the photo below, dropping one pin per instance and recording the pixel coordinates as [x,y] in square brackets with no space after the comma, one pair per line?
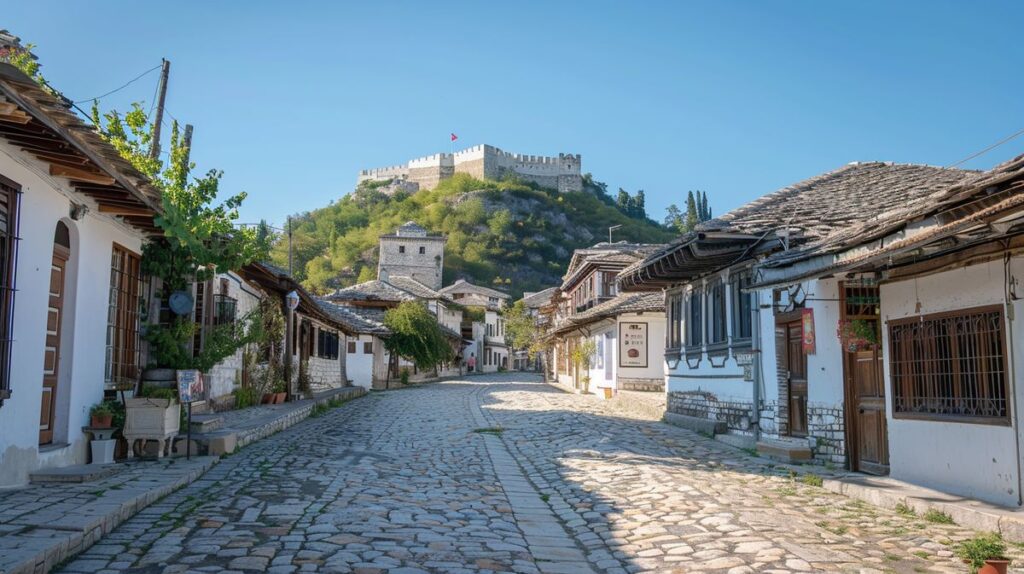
[857,335]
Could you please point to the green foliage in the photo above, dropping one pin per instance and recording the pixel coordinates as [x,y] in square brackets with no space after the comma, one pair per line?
[403,376]
[975,551]
[505,229]
[101,410]
[23,60]
[169,344]
[697,212]
[521,329]
[937,516]
[416,335]
[159,393]
[812,479]
[583,352]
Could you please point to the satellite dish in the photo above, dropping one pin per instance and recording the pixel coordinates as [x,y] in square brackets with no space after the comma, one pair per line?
[181,302]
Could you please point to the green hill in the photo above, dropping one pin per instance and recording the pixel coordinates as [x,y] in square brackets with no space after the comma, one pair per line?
[505,233]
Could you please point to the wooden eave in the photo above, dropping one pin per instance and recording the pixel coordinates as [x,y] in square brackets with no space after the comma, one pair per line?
[39,124]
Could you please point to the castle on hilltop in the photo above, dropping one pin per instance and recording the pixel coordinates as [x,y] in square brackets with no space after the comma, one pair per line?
[482,162]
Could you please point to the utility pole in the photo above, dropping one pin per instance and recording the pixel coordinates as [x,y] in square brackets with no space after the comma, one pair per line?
[289,245]
[610,229]
[154,146]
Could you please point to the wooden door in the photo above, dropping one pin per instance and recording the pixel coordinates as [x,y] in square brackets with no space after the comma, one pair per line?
[871,441]
[51,353]
[796,369]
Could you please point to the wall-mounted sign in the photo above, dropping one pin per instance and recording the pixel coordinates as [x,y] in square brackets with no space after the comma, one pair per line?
[807,324]
[633,345]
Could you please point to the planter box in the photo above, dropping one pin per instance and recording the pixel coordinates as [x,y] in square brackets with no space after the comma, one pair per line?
[151,419]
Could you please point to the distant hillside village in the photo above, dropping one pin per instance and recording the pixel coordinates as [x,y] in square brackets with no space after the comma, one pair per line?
[482,162]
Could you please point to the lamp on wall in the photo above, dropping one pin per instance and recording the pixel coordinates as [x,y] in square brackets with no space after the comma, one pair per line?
[77,211]
[292,300]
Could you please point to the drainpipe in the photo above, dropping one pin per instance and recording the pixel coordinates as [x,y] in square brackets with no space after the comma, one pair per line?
[1008,303]
[755,368]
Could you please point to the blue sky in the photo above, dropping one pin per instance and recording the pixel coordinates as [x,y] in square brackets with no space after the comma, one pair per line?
[291,99]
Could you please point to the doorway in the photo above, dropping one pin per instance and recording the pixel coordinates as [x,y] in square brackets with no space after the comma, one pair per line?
[54,318]
[794,365]
[864,385]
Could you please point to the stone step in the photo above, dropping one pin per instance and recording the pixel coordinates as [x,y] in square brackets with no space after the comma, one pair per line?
[214,443]
[206,422]
[705,426]
[72,474]
[785,450]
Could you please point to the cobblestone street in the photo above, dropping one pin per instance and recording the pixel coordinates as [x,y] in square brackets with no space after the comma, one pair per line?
[507,474]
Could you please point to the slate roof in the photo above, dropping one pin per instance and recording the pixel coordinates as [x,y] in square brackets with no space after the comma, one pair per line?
[463,286]
[374,290]
[539,299]
[474,300]
[414,287]
[962,212]
[621,304]
[604,254]
[798,215]
[359,320]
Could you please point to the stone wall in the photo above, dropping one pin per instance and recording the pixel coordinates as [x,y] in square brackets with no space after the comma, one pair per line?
[325,373]
[705,405]
[425,268]
[632,384]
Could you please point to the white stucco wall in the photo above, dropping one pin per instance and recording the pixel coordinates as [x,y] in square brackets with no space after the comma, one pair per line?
[359,365]
[974,460]
[224,377]
[45,201]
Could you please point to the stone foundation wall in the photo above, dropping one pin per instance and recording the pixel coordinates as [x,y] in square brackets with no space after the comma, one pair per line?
[701,404]
[324,374]
[632,384]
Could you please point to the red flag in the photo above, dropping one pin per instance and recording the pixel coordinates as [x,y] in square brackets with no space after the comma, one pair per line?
[454,137]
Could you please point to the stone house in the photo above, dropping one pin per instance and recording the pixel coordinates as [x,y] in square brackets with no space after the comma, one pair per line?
[412,252]
[932,395]
[760,365]
[626,329]
[73,219]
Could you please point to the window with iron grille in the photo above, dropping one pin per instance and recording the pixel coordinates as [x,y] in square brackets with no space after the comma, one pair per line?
[717,332]
[675,311]
[10,200]
[741,308]
[367,348]
[694,319]
[123,320]
[950,366]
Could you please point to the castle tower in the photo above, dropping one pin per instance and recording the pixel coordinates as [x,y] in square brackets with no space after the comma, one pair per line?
[412,252]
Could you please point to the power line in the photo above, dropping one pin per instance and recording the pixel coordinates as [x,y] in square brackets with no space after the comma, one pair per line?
[988,149]
[130,82]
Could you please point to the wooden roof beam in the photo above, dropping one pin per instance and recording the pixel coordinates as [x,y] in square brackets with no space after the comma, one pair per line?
[77,174]
[125,210]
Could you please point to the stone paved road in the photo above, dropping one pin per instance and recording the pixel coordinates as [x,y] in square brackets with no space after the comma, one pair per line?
[419,480]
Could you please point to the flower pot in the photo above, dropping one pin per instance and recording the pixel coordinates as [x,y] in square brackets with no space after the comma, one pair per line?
[101,422]
[608,392]
[994,567]
[280,397]
[268,398]
[150,419]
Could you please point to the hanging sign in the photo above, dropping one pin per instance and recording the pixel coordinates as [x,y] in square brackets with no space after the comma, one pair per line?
[807,325]
[633,345]
[190,385]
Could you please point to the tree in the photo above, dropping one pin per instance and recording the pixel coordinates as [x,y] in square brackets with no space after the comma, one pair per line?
[692,218]
[639,205]
[674,217]
[623,200]
[416,335]
[520,327]
[199,240]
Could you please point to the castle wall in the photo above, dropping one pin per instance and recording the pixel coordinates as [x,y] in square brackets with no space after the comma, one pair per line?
[487,162]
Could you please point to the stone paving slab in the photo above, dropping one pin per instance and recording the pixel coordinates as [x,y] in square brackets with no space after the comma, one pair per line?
[44,525]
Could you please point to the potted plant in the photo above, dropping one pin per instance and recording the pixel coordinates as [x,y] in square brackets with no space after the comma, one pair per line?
[857,335]
[101,416]
[280,392]
[609,392]
[984,554]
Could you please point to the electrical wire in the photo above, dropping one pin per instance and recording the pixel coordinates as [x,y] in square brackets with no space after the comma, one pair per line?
[988,149]
[115,90]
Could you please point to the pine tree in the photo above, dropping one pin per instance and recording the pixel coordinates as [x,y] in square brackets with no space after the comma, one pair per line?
[639,205]
[622,200]
[692,217]
[674,218]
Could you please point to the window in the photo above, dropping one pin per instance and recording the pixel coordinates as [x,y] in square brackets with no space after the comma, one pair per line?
[674,332]
[351,347]
[741,307]
[950,366]
[401,249]
[368,348]
[694,319]
[608,288]
[423,250]
[10,198]
[327,345]
[122,359]
[717,332]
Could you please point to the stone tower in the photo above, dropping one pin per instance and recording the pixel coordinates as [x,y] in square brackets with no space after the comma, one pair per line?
[412,252]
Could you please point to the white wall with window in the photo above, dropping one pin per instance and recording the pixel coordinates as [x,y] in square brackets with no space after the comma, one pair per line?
[359,353]
[953,429]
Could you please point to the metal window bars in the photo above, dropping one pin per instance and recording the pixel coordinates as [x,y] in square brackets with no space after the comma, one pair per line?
[10,211]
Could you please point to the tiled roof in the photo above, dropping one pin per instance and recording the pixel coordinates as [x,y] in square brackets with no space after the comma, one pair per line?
[798,215]
[623,303]
[607,255]
[474,300]
[539,299]
[961,210]
[374,290]
[463,286]
[359,320]
[414,287]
